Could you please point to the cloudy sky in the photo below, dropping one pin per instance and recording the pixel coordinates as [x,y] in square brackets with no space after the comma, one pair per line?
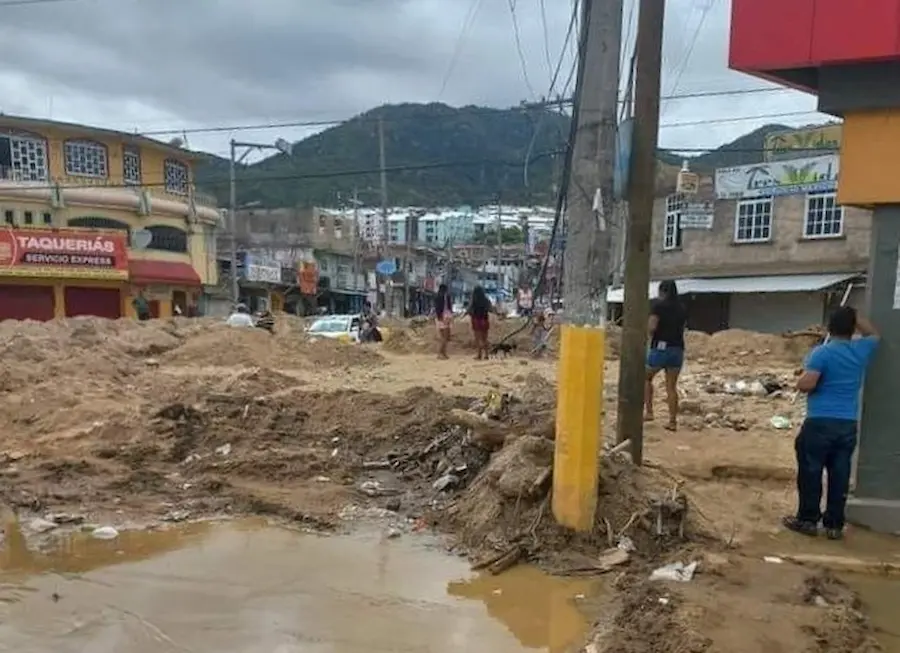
[154,65]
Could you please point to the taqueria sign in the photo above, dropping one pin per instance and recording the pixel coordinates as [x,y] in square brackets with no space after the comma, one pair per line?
[63,253]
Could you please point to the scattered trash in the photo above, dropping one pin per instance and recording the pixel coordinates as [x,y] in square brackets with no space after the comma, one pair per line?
[625,543]
[775,560]
[38,525]
[371,488]
[394,533]
[224,450]
[445,482]
[780,422]
[105,533]
[177,516]
[820,601]
[663,600]
[676,571]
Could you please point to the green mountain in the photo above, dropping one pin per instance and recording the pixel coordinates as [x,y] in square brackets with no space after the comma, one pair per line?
[435,155]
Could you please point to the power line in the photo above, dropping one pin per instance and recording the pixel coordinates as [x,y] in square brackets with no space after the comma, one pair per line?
[544,27]
[519,51]
[468,21]
[693,43]
[24,3]
[330,123]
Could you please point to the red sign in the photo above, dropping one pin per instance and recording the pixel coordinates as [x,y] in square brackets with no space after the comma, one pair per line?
[308,278]
[44,252]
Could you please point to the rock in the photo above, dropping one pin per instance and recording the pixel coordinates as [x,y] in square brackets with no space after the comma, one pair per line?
[393,504]
[38,525]
[394,533]
[105,533]
[445,482]
[151,362]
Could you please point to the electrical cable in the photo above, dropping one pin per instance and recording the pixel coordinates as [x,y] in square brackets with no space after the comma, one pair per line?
[293,124]
[562,192]
[468,21]
[692,44]
[545,29]
[519,50]
[25,3]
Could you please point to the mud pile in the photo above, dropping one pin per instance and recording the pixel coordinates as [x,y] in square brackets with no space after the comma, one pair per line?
[288,348]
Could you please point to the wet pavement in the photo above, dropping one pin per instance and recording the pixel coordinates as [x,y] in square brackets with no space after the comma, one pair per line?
[245,587]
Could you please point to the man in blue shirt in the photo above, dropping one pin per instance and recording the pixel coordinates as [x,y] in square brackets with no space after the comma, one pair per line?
[832,380]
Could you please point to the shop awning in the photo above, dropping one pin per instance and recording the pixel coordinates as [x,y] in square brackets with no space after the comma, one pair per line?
[741,285]
[163,272]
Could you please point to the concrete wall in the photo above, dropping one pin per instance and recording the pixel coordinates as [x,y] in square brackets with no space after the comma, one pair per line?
[713,252]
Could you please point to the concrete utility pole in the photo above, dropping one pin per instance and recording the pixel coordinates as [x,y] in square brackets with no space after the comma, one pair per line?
[385,230]
[407,258]
[642,189]
[579,404]
[282,146]
[499,241]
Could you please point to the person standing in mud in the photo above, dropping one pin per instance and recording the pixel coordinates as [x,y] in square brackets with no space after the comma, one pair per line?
[141,306]
[668,321]
[443,318]
[832,380]
[480,308]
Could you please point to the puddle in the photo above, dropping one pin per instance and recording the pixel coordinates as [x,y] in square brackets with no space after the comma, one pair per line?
[242,587]
[881,596]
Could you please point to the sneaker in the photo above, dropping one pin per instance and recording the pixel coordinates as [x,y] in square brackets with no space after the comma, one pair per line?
[834,533]
[802,527]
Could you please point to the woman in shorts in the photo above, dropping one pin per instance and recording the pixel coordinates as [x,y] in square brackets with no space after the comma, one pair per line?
[443,318]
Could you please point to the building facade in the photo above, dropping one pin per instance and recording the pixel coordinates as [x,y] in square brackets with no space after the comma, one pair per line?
[767,249]
[93,216]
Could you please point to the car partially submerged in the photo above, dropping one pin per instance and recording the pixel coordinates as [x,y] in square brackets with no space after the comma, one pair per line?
[336,327]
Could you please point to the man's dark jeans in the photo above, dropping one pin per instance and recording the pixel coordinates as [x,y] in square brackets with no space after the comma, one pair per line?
[824,444]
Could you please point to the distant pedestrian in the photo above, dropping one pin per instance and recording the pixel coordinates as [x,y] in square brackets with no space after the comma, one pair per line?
[141,306]
[668,321]
[832,380]
[480,308]
[443,318]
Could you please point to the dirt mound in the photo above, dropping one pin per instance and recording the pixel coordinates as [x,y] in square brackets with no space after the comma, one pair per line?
[738,345]
[221,345]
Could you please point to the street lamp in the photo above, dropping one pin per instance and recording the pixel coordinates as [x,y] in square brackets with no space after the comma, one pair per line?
[282,146]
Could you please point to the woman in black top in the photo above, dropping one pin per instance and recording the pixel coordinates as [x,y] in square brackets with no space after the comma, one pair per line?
[668,320]
[479,309]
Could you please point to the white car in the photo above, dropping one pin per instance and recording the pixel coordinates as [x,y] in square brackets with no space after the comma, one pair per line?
[336,327]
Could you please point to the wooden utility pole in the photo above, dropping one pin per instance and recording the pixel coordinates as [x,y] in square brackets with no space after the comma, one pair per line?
[586,267]
[385,227]
[642,189]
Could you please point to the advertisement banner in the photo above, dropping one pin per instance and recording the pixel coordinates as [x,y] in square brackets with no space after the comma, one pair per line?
[697,215]
[308,278]
[63,253]
[794,177]
[792,143]
[262,270]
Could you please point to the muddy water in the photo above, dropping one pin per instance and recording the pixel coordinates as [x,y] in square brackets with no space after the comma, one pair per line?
[880,594]
[243,587]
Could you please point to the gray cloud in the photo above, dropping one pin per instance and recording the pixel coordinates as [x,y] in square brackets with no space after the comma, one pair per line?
[153,64]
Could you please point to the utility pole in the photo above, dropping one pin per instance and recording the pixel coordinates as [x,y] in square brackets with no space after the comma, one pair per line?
[579,402]
[407,258]
[385,230]
[642,187]
[499,240]
[232,211]
[357,241]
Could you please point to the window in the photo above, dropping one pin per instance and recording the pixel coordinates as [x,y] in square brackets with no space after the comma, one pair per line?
[131,166]
[176,176]
[824,216]
[23,157]
[96,222]
[48,218]
[10,218]
[672,225]
[753,222]
[28,217]
[338,228]
[168,239]
[86,159]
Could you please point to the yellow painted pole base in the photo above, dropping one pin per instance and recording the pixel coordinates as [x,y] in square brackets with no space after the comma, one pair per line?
[579,425]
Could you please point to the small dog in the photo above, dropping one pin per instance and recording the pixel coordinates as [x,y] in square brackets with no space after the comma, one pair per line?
[503,349]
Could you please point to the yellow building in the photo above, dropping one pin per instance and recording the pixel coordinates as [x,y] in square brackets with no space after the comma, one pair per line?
[93,216]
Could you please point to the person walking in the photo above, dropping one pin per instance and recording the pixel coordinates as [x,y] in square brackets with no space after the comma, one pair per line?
[443,318]
[668,320]
[480,308]
[141,306]
[832,379]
